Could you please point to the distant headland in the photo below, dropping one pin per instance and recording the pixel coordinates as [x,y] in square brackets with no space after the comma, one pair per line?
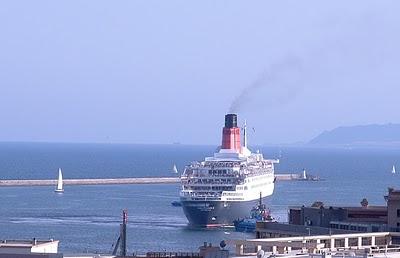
[363,135]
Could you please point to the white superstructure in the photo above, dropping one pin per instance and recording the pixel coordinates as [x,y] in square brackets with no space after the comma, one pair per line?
[228,178]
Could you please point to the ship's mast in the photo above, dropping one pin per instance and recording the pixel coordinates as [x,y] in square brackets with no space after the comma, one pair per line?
[245,134]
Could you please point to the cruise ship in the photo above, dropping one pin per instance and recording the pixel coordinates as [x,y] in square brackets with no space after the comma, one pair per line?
[225,187]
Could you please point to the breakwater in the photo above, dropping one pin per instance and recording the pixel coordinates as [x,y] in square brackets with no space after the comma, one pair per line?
[92,181]
[115,181]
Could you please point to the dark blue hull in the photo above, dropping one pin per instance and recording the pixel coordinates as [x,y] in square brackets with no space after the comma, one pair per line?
[216,213]
[245,225]
[176,204]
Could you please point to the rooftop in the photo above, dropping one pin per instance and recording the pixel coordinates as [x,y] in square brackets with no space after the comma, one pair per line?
[15,243]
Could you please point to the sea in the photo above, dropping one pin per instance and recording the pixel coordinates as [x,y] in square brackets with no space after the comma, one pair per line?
[86,219]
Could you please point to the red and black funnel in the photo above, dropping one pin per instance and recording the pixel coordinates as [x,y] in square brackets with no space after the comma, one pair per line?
[231,133]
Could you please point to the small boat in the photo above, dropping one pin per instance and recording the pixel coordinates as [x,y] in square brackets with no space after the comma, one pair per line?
[59,188]
[258,213]
[304,175]
[176,204]
[174,169]
[394,170]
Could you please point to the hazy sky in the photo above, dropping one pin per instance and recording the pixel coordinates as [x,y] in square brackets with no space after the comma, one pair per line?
[168,71]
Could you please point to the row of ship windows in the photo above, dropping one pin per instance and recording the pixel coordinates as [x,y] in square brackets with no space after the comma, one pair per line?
[258,185]
[220,172]
[239,188]
[211,181]
[223,164]
[206,198]
[214,188]
[197,174]
[232,194]
[248,180]
[206,194]
[234,199]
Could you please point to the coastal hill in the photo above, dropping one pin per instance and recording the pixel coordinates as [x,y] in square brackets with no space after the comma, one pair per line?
[387,134]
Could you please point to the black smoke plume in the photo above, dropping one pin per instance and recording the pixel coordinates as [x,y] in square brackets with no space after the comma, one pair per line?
[278,84]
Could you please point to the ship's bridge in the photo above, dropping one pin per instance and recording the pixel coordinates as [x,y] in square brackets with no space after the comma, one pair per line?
[230,155]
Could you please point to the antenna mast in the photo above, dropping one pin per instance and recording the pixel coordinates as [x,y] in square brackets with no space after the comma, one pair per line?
[245,134]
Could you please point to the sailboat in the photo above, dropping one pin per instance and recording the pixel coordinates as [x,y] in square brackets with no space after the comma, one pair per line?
[59,188]
[394,170]
[174,169]
[304,175]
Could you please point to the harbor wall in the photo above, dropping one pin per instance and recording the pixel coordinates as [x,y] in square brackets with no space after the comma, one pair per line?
[115,181]
[31,255]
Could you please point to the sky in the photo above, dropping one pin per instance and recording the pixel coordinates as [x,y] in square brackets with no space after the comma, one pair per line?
[168,71]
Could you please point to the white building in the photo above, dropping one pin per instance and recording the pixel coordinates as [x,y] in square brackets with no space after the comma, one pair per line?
[29,248]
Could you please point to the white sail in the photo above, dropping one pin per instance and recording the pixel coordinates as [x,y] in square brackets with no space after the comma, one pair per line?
[174,169]
[59,182]
[394,170]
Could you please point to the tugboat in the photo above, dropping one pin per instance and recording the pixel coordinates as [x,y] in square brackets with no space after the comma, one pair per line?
[258,213]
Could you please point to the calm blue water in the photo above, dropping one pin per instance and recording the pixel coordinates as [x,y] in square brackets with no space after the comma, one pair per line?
[86,218]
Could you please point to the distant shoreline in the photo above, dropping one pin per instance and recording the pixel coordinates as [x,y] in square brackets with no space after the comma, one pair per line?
[387,135]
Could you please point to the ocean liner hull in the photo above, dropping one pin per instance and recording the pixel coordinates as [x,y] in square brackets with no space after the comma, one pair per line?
[216,213]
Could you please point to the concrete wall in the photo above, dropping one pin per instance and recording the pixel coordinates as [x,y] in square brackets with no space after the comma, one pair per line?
[14,250]
[48,248]
[393,203]
[295,217]
[31,256]
[269,229]
[321,217]
[28,247]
